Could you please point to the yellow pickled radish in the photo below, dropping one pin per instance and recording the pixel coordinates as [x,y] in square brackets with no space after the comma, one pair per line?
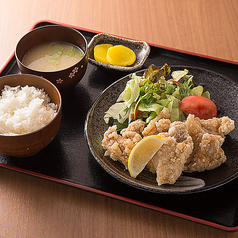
[100,52]
[143,152]
[120,55]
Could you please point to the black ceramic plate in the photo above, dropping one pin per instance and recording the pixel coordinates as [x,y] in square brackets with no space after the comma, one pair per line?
[223,90]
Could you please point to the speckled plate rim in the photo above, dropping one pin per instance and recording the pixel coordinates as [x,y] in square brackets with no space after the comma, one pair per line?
[141,49]
[115,171]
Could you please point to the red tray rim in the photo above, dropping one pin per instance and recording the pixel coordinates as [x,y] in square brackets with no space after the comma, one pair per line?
[121,198]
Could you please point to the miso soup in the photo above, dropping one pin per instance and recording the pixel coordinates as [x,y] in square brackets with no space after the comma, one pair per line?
[52,56]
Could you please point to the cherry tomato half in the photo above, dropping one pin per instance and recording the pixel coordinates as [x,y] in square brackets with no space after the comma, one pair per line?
[199,106]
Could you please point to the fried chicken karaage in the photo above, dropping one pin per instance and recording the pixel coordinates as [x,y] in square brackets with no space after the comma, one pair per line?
[192,145]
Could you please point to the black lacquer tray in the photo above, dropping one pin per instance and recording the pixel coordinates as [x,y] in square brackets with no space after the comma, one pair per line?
[68,160]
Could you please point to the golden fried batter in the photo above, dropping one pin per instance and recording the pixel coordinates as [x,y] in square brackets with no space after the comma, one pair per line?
[192,145]
[160,124]
[119,147]
[113,143]
[217,126]
[209,154]
[168,162]
[208,137]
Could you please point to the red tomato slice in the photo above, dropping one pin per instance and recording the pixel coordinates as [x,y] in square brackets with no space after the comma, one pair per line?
[199,106]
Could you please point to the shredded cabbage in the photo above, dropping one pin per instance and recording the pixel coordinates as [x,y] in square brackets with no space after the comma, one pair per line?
[118,112]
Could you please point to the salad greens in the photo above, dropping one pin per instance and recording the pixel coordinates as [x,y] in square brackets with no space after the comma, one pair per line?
[145,96]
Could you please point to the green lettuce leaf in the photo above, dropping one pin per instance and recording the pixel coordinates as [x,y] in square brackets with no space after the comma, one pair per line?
[131,91]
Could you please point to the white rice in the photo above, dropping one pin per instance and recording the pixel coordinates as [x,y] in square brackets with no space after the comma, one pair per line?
[24,109]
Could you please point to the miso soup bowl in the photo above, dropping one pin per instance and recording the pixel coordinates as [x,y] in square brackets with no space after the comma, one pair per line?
[65,80]
[25,145]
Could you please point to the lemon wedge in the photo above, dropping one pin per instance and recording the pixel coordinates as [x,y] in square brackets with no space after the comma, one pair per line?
[100,52]
[142,153]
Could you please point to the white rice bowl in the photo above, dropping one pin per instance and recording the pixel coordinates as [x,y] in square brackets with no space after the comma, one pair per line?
[24,110]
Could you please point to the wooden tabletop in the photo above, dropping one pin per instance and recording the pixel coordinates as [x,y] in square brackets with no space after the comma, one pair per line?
[34,207]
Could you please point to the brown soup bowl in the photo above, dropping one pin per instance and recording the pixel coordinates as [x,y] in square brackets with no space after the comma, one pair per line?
[65,80]
[28,144]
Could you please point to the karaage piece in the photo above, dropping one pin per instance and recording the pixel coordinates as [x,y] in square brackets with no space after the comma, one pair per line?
[168,162]
[192,145]
[157,125]
[113,143]
[195,130]
[217,126]
[209,155]
[208,137]
[119,147]
[132,135]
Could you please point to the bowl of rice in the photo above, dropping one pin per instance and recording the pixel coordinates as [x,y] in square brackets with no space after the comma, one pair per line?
[30,114]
